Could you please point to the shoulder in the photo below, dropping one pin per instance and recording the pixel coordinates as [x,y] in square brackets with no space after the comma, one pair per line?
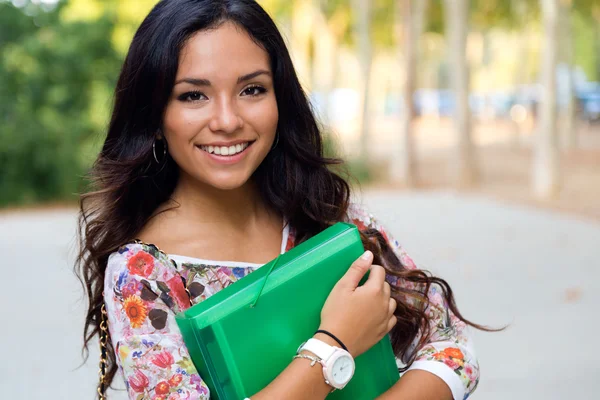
[141,260]
[135,267]
[359,215]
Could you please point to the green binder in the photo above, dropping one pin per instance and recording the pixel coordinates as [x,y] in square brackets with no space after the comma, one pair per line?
[242,337]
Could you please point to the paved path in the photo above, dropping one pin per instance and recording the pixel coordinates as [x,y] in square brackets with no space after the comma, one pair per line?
[535,270]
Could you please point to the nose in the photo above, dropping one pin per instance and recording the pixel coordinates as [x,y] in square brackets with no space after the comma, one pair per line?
[226,118]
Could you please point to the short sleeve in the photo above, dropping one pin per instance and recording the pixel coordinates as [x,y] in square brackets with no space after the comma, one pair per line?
[143,291]
[449,352]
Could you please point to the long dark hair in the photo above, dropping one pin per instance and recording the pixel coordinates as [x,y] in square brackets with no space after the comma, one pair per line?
[295,179]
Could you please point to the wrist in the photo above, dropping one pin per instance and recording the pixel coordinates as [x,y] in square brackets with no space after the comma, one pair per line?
[326,339]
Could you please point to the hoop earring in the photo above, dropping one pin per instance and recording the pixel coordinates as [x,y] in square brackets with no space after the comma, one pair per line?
[164,157]
[276,140]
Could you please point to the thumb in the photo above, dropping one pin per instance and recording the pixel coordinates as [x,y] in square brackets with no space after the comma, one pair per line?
[357,270]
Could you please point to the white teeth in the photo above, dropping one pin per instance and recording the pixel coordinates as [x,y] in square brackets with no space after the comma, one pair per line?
[224,150]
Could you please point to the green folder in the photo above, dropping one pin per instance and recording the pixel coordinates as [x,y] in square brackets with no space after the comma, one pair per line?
[242,337]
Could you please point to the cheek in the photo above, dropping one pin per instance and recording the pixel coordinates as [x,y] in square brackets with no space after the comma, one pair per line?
[266,118]
[180,123]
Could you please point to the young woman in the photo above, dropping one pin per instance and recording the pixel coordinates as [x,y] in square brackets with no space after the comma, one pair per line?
[213,154]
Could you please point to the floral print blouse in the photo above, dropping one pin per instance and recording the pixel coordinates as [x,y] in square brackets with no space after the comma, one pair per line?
[144,289]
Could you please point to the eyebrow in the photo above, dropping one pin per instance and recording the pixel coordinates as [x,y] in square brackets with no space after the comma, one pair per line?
[206,82]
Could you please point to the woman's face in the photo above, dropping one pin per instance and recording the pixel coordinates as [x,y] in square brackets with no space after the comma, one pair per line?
[221,118]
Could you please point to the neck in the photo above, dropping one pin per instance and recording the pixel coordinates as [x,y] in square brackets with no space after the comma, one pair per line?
[204,204]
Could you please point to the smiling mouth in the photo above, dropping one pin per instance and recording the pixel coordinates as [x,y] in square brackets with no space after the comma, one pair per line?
[226,150]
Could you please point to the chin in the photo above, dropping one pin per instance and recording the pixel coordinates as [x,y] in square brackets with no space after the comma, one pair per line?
[229,183]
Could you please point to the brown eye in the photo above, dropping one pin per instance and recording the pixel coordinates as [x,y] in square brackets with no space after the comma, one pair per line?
[254,91]
[192,96]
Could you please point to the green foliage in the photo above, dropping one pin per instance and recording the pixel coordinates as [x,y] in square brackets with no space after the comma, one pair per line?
[55,81]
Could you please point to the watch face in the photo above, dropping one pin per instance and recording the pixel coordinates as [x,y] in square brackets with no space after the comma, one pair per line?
[342,369]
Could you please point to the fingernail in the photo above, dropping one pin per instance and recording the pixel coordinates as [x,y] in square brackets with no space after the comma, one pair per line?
[366,255]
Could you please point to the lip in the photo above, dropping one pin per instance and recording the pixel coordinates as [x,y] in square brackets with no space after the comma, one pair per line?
[227,160]
[226,144]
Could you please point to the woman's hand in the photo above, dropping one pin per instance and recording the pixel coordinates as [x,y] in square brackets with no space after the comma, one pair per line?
[360,316]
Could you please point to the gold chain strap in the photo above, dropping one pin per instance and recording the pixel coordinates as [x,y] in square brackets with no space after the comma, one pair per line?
[103,352]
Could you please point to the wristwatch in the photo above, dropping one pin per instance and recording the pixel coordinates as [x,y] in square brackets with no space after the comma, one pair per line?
[338,364]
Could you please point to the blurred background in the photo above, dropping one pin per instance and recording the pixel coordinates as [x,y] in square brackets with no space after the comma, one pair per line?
[471,126]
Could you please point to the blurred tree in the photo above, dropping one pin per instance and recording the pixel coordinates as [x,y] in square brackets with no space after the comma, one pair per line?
[54,93]
[567,47]
[332,19]
[546,162]
[362,32]
[590,9]
[457,27]
[409,27]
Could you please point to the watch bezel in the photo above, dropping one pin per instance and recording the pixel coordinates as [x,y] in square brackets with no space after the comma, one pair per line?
[328,368]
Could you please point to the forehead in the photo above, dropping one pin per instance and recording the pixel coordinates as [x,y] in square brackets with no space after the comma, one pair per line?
[223,53]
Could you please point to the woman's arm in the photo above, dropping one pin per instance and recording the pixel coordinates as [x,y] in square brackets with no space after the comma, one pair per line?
[142,295]
[359,316]
[299,381]
[418,385]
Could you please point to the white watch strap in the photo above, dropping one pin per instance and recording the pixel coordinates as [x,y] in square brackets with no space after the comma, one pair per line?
[319,348]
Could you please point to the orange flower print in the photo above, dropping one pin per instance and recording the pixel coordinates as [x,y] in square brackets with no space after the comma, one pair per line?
[454,353]
[138,382]
[439,356]
[175,380]
[163,359]
[135,310]
[141,264]
[162,388]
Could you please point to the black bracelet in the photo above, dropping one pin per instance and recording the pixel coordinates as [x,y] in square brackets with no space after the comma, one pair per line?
[331,335]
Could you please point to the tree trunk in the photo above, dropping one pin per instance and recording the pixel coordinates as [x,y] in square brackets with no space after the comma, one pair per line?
[596,16]
[409,16]
[545,166]
[324,61]
[301,25]
[520,74]
[569,123]
[362,32]
[466,169]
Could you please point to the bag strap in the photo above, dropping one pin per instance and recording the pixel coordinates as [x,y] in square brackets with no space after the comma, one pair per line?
[103,337]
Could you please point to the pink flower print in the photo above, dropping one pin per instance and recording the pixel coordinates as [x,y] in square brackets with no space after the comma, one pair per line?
[163,359]
[469,371]
[406,260]
[451,363]
[138,382]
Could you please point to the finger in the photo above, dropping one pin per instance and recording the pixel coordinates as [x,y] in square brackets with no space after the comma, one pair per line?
[392,306]
[392,323]
[376,277]
[357,270]
[387,290]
